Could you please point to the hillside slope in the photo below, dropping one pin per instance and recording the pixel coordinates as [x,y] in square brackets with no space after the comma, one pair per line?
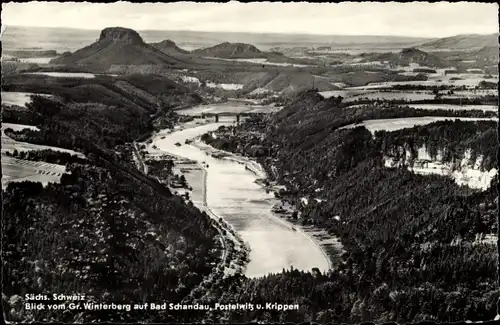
[487,53]
[463,42]
[146,93]
[105,226]
[408,237]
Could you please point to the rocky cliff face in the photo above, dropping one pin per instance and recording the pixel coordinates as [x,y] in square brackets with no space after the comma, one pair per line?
[120,34]
[465,171]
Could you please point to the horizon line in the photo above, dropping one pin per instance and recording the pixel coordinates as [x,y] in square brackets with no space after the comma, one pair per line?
[246,32]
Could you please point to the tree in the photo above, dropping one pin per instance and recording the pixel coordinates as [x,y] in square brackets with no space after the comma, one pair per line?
[45,106]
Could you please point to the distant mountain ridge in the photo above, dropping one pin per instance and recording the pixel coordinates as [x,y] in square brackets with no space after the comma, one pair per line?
[31,53]
[169,47]
[71,39]
[487,53]
[229,50]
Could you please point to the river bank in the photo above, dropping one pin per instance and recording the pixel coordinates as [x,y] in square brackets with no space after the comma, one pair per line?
[234,195]
[325,242]
[234,250]
[235,257]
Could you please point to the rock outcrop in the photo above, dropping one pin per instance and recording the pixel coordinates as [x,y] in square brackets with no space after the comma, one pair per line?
[120,34]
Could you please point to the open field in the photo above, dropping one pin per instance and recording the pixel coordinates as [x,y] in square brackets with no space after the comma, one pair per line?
[17,170]
[18,127]
[9,144]
[262,61]
[346,93]
[236,107]
[65,74]
[407,122]
[473,93]
[408,95]
[41,61]
[17,98]
[225,86]
[393,95]
[484,108]
[468,80]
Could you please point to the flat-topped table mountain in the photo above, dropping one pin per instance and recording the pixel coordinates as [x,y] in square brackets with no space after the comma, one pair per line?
[117,46]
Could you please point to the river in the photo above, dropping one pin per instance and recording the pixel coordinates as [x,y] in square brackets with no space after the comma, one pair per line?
[233,195]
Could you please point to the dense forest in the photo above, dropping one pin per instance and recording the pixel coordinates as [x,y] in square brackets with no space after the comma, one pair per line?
[103,125]
[46,155]
[414,249]
[104,233]
[413,241]
[134,92]
[106,229]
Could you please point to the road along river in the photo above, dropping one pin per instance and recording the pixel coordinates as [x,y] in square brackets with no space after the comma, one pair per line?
[233,195]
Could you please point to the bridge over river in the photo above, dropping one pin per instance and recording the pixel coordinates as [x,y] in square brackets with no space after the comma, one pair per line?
[216,116]
[238,109]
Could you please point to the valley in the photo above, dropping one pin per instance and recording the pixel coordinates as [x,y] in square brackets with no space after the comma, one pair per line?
[355,176]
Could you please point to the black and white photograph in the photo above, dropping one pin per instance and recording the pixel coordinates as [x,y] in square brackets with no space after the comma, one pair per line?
[249,162]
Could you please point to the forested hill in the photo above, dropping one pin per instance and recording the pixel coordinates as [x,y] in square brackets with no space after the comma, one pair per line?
[113,109]
[413,242]
[407,56]
[231,51]
[106,230]
[169,47]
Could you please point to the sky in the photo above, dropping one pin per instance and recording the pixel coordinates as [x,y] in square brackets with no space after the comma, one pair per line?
[419,19]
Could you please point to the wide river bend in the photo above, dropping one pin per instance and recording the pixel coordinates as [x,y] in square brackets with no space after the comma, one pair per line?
[233,195]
